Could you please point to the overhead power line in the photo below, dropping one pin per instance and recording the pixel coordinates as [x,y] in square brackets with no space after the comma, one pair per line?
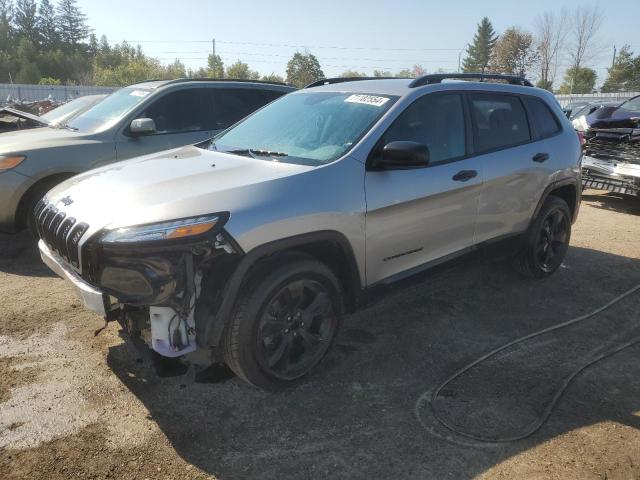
[334,47]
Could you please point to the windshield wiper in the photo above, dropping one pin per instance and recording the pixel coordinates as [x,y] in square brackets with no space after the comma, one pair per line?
[268,153]
[249,152]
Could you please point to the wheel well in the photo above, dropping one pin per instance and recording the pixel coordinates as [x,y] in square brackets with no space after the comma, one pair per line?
[37,189]
[568,194]
[331,253]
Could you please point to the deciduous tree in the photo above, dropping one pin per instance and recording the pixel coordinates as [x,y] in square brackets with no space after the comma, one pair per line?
[579,80]
[303,68]
[514,53]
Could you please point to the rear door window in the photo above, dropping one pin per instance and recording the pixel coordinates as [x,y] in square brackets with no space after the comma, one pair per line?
[544,122]
[499,121]
[181,111]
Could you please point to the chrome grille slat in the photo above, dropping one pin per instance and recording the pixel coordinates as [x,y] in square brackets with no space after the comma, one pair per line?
[61,233]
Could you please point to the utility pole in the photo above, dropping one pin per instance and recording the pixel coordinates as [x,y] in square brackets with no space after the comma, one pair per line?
[613,62]
[213,47]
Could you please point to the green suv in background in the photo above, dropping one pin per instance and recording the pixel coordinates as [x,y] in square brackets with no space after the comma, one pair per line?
[136,120]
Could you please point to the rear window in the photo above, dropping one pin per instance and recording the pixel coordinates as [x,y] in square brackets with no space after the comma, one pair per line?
[499,121]
[543,121]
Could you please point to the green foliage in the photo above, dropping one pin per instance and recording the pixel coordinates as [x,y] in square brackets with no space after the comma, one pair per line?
[28,73]
[303,69]
[26,20]
[72,23]
[352,74]
[381,73]
[272,77]
[47,25]
[514,53]
[580,80]
[624,75]
[404,73]
[479,52]
[49,81]
[241,70]
[547,85]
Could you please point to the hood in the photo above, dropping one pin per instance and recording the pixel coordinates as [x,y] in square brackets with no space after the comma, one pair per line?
[614,117]
[34,139]
[24,115]
[178,183]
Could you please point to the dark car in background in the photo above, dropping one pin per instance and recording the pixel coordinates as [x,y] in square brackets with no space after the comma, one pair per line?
[12,118]
[137,120]
[612,148]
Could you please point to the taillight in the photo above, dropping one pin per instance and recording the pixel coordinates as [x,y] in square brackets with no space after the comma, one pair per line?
[581,138]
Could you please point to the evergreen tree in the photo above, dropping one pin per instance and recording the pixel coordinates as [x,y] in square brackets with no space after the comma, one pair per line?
[72,23]
[303,69]
[578,80]
[26,20]
[479,52]
[47,25]
[624,75]
[6,28]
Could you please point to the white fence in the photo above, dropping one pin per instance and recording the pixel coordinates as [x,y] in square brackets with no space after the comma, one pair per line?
[596,97]
[10,92]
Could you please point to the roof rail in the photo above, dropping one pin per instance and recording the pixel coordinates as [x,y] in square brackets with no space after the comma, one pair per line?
[244,80]
[331,81]
[438,77]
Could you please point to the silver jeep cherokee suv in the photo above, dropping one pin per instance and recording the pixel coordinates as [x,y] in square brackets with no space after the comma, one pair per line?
[249,251]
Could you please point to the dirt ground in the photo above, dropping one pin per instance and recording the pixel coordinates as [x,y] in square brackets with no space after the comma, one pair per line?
[75,405]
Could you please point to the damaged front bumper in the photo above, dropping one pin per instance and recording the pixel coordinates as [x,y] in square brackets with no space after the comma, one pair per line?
[611,175]
[91,297]
[151,290]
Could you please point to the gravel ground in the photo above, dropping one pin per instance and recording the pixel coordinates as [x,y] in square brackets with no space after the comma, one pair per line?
[73,405]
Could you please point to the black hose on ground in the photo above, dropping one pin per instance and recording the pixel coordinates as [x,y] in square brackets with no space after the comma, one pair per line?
[535,426]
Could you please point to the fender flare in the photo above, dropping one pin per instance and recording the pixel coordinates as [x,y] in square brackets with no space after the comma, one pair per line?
[217,320]
[555,185]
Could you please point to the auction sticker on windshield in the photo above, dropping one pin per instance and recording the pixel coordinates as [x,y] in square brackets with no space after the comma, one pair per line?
[367,100]
[139,93]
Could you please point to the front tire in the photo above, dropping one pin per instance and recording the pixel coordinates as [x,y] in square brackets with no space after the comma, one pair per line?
[283,323]
[547,240]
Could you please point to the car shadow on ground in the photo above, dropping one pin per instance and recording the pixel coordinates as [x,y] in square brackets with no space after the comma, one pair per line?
[19,256]
[356,416]
[613,201]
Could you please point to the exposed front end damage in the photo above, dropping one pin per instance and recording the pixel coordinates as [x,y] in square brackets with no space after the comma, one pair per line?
[612,160]
[151,288]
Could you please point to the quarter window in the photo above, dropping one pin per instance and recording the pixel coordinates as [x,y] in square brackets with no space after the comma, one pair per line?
[499,121]
[436,121]
[544,122]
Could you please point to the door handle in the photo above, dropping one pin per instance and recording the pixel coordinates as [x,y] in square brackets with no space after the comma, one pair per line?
[540,157]
[464,175]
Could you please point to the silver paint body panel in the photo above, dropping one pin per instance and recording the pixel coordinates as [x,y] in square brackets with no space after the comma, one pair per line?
[383,214]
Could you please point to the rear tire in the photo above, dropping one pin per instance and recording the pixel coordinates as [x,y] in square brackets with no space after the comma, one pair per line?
[283,323]
[547,240]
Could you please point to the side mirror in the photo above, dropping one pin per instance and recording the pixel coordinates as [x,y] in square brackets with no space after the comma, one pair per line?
[142,126]
[403,155]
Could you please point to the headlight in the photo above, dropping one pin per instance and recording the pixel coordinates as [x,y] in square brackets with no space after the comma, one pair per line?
[7,162]
[175,229]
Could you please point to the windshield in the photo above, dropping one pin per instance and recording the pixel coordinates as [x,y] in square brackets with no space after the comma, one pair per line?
[308,128]
[64,112]
[110,110]
[633,104]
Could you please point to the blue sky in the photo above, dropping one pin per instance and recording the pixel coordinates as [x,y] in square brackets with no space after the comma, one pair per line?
[370,35]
